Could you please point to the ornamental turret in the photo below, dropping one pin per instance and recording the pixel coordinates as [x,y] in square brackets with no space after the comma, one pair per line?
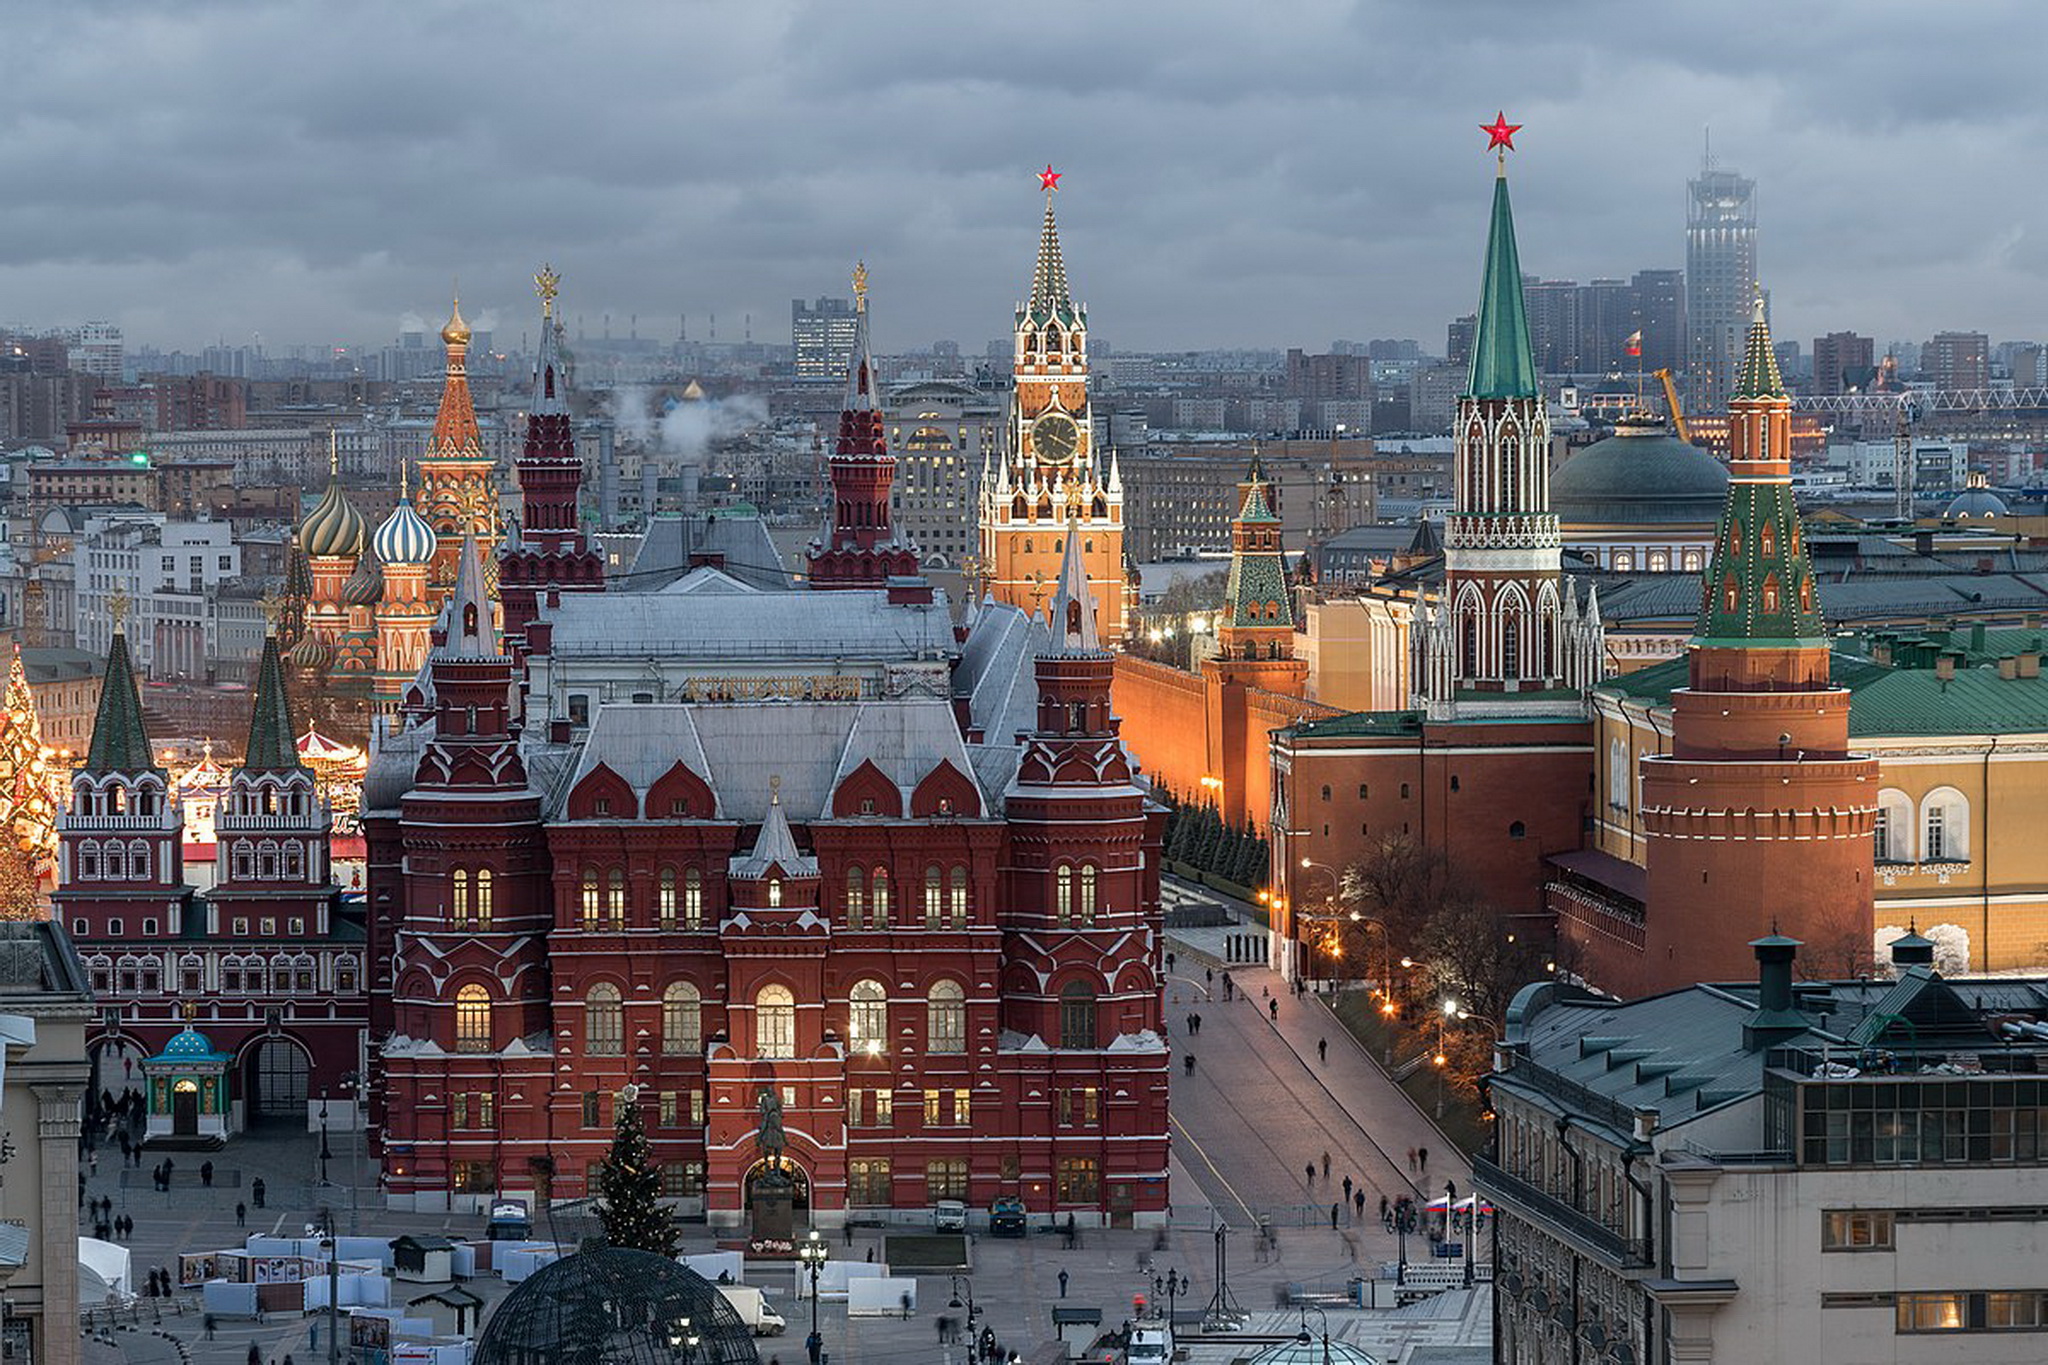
[1761,815]
[1054,478]
[551,555]
[1497,626]
[457,495]
[272,829]
[405,545]
[861,549]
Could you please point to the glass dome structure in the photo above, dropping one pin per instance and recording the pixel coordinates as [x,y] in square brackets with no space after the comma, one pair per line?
[613,1306]
[1314,1350]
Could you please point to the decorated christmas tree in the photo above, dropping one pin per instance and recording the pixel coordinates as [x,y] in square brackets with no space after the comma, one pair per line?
[629,1186]
[28,817]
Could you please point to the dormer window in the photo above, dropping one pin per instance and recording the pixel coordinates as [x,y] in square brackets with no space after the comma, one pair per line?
[867,805]
[775,891]
[602,805]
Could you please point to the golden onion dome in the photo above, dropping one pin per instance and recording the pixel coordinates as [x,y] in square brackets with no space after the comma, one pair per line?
[334,528]
[456,333]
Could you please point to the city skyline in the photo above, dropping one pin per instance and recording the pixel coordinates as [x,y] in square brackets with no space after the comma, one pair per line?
[1270,185]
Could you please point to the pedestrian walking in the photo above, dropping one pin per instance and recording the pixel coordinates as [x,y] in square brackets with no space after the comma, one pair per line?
[256,1191]
[1422,1157]
[241,1214]
[255,1354]
[906,1305]
[92,1162]
[1210,973]
[1358,1202]
[206,1174]
[209,1324]
[1073,1231]
[1347,1189]
[1411,1161]
[942,1325]
[1326,1163]
[1385,1206]
[1333,1217]
[1273,1008]
[1063,1283]
[1310,1172]
[1169,962]
[849,1234]
[1323,1050]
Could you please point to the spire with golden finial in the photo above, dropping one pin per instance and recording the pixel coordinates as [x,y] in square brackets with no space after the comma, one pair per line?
[546,283]
[456,333]
[117,607]
[860,286]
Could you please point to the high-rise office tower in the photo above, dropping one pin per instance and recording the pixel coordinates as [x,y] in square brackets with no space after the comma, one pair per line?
[1720,281]
[1843,362]
[1660,316]
[822,331]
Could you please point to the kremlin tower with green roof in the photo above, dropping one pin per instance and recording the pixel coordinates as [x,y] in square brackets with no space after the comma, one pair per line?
[1760,819]
[1505,623]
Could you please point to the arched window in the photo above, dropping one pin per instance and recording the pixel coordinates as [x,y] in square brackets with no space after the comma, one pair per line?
[1944,827]
[959,897]
[867,1017]
[1767,540]
[1690,561]
[604,1021]
[458,898]
[693,898]
[665,899]
[615,897]
[774,891]
[774,1022]
[472,1019]
[878,908]
[486,896]
[116,861]
[1511,646]
[138,860]
[934,897]
[1471,650]
[590,905]
[1659,561]
[1063,895]
[945,1026]
[856,896]
[1087,895]
[1731,595]
[682,1020]
[1624,561]
[1770,594]
[1734,538]
[1806,594]
[1893,836]
[1077,1015]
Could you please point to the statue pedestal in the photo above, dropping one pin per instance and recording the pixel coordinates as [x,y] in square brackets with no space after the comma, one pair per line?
[774,1216]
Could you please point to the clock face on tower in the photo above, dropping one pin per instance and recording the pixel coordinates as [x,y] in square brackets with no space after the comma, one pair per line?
[1055,438]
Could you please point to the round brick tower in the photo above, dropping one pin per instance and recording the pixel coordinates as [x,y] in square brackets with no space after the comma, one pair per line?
[1760,815]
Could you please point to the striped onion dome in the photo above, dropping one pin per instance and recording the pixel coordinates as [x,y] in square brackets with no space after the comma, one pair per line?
[312,652]
[332,529]
[365,585]
[405,537]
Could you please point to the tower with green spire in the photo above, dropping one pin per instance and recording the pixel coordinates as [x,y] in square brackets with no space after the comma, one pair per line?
[120,843]
[1505,623]
[273,827]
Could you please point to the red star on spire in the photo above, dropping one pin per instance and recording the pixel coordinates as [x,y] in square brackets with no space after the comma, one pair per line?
[1500,132]
[1049,179]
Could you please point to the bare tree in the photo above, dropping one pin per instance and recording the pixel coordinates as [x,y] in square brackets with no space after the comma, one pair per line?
[1399,883]
[1475,959]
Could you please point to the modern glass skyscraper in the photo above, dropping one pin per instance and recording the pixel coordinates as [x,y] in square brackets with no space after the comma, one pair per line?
[1720,281]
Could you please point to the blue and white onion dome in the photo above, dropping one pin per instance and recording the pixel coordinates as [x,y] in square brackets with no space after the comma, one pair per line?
[405,537]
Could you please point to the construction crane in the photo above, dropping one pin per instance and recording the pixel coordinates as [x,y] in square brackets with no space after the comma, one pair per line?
[1671,402]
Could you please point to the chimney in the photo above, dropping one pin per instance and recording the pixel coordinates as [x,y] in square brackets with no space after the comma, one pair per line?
[1911,950]
[1945,665]
[1646,1122]
[1923,542]
[1775,1019]
[558,732]
[2028,663]
[2008,668]
[1977,636]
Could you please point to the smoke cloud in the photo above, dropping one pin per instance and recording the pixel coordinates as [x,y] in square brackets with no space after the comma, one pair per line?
[686,431]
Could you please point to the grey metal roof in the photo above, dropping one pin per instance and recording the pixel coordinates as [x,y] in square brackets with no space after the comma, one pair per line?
[709,614]
[742,543]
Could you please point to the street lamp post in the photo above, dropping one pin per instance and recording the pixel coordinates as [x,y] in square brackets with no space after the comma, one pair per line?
[973,1312]
[683,1340]
[813,1253]
[1172,1284]
[325,1153]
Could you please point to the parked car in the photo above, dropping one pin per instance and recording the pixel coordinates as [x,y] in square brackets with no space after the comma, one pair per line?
[949,1215]
[1007,1218]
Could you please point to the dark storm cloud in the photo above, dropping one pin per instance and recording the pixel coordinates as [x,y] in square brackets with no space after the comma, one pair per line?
[1271,174]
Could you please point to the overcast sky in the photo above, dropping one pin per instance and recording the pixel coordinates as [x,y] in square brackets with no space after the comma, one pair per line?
[1267,173]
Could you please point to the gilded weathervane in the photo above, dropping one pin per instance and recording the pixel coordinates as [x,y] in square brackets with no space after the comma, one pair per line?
[547,283]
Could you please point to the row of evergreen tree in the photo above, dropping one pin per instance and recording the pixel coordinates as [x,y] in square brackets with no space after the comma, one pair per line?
[1198,837]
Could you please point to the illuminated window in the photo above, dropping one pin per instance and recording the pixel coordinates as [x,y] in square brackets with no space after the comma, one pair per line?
[693,898]
[604,1022]
[946,1018]
[867,1016]
[934,897]
[774,1022]
[959,897]
[665,899]
[590,903]
[459,898]
[878,909]
[1063,895]
[1087,895]
[485,891]
[856,896]
[615,899]
[472,1019]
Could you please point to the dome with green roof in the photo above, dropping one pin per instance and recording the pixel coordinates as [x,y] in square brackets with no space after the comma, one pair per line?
[190,1045]
[1641,475]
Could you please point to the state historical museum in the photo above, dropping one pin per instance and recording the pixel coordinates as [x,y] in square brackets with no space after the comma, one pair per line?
[726,836]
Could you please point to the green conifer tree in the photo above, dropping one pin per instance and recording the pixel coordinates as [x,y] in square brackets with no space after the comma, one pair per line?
[629,1186]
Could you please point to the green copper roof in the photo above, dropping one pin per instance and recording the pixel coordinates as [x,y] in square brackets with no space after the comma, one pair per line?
[1255,508]
[1759,586]
[273,740]
[1758,377]
[1050,298]
[1503,362]
[1258,577]
[120,742]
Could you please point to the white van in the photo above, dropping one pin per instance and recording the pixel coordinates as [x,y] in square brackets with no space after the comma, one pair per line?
[949,1215]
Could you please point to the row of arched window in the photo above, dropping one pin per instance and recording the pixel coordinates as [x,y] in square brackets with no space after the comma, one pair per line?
[947,900]
[239,973]
[1936,831]
[267,860]
[471,898]
[867,1019]
[1071,909]
[114,860]
[678,898]
[115,800]
[270,799]
[1051,342]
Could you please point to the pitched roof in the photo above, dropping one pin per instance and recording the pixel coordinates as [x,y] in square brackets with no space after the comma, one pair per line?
[1758,377]
[1503,361]
[272,743]
[1073,605]
[775,847]
[1049,296]
[120,740]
